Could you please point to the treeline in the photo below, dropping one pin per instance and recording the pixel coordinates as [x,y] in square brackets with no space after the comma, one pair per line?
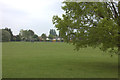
[29,35]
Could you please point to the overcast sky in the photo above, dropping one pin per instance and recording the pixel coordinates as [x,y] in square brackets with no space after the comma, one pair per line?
[29,14]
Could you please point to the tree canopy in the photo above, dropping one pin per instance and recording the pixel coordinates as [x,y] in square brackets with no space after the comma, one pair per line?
[6,36]
[94,24]
[52,33]
[18,38]
[28,35]
[44,36]
[35,37]
[9,30]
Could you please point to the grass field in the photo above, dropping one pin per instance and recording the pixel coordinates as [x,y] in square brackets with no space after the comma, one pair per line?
[56,60]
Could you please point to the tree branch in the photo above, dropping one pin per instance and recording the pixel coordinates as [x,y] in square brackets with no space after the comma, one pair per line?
[115,11]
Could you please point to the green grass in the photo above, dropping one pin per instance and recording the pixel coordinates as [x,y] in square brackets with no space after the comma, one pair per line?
[56,60]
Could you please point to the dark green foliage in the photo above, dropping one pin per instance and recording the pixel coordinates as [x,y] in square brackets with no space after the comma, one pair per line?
[18,38]
[44,36]
[9,30]
[6,36]
[51,36]
[28,35]
[92,24]
[53,32]
[35,37]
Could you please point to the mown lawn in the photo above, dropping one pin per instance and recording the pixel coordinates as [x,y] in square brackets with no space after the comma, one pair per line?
[56,60]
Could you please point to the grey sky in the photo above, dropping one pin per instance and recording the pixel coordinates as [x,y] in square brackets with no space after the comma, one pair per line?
[29,14]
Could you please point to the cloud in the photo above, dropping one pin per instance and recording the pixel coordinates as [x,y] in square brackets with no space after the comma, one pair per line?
[29,14]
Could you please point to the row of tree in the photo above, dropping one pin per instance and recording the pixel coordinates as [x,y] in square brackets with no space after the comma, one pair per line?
[26,35]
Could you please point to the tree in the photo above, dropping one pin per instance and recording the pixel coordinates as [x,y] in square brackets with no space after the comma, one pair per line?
[95,24]
[30,34]
[51,36]
[5,35]
[35,37]
[26,35]
[9,30]
[23,34]
[52,32]
[44,36]
[18,38]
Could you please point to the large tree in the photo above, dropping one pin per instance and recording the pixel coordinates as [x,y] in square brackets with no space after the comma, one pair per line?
[18,38]
[9,30]
[95,24]
[6,36]
[52,32]
[26,34]
[35,37]
[51,36]
[44,36]
[23,34]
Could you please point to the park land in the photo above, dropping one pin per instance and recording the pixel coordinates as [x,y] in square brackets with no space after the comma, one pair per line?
[56,60]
